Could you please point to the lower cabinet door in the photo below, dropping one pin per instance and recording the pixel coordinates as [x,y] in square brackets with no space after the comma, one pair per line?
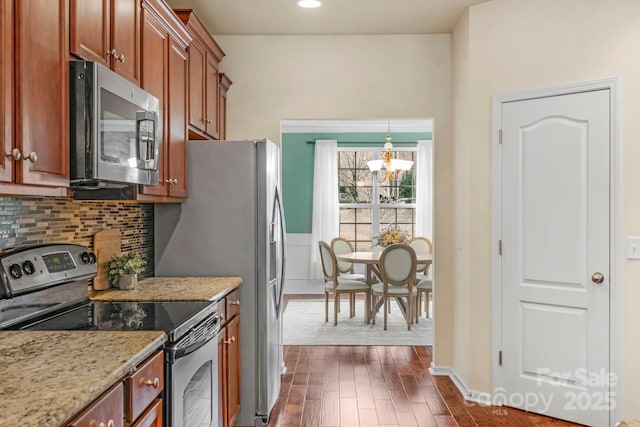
[153,416]
[108,411]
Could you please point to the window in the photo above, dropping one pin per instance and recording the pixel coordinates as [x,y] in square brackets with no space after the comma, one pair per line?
[367,206]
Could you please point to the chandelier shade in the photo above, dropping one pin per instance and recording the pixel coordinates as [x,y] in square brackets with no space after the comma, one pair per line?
[393,168]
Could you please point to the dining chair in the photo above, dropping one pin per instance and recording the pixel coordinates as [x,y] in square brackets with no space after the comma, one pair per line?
[340,246]
[398,270]
[336,285]
[422,245]
[424,286]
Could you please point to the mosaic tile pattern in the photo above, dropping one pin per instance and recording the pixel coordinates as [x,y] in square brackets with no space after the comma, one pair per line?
[32,220]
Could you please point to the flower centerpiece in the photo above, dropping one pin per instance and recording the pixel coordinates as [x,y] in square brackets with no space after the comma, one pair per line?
[390,235]
[123,270]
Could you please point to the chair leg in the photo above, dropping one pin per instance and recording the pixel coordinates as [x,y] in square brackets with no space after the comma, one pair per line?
[326,307]
[417,308]
[367,306]
[426,303]
[386,310]
[409,311]
[374,302]
[352,305]
[336,308]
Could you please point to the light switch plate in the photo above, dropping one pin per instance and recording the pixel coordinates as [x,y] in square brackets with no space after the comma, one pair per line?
[633,247]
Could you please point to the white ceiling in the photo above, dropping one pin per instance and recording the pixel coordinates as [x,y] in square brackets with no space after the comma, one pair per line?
[285,17]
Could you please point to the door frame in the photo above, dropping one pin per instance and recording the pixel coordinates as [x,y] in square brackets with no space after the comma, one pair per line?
[615,226]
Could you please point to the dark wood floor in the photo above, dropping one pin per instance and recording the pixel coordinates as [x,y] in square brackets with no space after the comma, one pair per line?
[372,386]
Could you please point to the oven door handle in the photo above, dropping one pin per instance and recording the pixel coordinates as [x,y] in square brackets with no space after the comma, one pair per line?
[178,353]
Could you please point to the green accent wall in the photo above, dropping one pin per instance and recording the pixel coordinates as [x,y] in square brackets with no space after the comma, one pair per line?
[297,168]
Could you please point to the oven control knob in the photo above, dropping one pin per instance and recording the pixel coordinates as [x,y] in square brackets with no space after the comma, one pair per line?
[15,271]
[85,257]
[92,258]
[28,267]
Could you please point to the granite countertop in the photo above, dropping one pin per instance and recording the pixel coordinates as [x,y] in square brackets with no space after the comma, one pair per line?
[49,377]
[172,289]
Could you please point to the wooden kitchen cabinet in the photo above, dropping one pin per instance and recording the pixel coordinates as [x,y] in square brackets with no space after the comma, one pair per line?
[6,89]
[204,59]
[164,75]
[108,32]
[36,150]
[223,88]
[133,401]
[108,410]
[229,361]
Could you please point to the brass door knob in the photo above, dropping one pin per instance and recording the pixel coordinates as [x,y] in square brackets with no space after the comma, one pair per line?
[155,383]
[597,277]
[32,157]
[15,154]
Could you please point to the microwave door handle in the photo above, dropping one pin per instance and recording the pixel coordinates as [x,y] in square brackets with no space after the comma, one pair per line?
[149,141]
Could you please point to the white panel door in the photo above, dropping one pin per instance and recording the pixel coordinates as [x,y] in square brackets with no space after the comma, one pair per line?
[555,235]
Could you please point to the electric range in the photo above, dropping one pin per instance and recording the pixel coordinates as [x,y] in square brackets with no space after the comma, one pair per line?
[45,287]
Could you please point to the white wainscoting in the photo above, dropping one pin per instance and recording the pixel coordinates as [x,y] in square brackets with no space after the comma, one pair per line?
[298,280]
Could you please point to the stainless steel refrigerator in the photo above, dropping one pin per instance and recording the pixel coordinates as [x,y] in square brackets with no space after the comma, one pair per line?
[232,224]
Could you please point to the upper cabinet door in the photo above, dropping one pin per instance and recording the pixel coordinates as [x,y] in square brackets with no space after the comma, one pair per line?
[154,67]
[42,84]
[212,97]
[196,85]
[6,89]
[125,38]
[89,30]
[177,119]
[108,32]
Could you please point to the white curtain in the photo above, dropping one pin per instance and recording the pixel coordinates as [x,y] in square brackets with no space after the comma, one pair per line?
[424,190]
[325,223]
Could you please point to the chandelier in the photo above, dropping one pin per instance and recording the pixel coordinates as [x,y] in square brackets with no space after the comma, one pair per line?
[393,168]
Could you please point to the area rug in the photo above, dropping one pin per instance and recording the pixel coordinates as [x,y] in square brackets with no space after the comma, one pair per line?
[304,325]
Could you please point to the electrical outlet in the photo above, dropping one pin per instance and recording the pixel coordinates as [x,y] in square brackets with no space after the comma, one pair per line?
[633,247]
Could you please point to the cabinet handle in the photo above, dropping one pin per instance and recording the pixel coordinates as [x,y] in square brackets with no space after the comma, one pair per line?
[32,157]
[120,58]
[110,423]
[209,122]
[15,154]
[175,180]
[230,340]
[236,303]
[167,181]
[111,52]
[155,383]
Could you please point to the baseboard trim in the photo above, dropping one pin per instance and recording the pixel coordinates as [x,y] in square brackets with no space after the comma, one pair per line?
[467,393]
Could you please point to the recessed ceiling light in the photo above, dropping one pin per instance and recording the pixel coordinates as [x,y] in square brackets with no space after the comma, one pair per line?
[309,3]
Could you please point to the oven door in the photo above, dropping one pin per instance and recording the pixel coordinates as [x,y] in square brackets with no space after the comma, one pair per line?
[193,395]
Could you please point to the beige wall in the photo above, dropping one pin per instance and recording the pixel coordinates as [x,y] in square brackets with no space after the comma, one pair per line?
[350,77]
[334,77]
[461,213]
[516,45]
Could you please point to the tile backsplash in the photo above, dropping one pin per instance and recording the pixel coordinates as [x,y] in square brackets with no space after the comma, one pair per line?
[31,220]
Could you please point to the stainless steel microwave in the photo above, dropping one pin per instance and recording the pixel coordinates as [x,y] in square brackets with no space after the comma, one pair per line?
[116,129]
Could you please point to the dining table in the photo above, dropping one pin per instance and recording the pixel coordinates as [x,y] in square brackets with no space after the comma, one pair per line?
[372,261]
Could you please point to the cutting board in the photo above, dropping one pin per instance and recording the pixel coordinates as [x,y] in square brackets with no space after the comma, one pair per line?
[106,244]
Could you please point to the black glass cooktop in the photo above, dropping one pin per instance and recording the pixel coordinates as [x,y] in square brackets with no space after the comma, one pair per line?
[174,318]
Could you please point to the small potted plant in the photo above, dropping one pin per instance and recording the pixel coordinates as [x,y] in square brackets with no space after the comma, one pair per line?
[123,270]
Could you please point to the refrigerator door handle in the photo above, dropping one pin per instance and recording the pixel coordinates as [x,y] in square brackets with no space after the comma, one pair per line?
[277,204]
